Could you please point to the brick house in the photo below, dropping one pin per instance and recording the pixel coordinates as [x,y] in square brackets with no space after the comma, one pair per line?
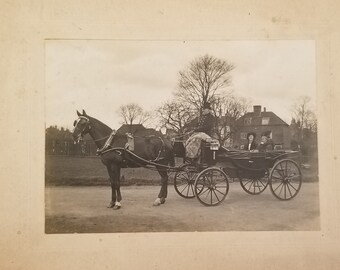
[262,121]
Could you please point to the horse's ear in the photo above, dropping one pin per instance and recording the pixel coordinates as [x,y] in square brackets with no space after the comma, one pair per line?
[78,113]
[84,113]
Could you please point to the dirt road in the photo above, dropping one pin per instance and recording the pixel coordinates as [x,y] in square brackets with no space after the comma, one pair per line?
[83,210]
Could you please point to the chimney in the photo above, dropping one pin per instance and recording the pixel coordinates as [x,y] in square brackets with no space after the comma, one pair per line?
[257,109]
[264,109]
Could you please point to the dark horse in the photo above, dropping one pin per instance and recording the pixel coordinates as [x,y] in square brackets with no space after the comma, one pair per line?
[152,148]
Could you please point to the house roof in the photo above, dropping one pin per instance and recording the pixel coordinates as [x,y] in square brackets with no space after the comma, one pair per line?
[136,129]
[130,128]
[256,119]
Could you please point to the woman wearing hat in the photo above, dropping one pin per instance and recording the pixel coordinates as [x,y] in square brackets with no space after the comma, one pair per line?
[251,145]
[266,142]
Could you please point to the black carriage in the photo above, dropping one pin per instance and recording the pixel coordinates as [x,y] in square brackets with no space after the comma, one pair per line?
[208,178]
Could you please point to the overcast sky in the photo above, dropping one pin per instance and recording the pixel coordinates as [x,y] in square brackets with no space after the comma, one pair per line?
[101,75]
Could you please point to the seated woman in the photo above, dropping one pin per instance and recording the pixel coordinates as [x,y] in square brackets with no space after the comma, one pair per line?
[251,145]
[267,143]
[202,132]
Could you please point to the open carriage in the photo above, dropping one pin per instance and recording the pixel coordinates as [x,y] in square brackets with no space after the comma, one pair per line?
[208,180]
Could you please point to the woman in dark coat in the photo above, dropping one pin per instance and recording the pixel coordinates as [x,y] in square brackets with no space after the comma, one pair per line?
[251,145]
[267,143]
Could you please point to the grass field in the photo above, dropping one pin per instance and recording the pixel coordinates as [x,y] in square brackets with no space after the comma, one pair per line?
[64,170]
[89,171]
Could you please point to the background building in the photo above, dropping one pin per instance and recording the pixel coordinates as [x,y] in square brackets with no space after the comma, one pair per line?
[259,122]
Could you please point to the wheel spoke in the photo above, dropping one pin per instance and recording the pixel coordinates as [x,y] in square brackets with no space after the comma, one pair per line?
[280,172]
[281,167]
[207,194]
[219,181]
[185,188]
[292,186]
[181,184]
[192,189]
[261,183]
[204,191]
[278,186]
[273,176]
[289,191]
[211,186]
[251,185]
[219,191]
[285,190]
[249,181]
[281,188]
[258,185]
[216,196]
[290,182]
[296,178]
[221,186]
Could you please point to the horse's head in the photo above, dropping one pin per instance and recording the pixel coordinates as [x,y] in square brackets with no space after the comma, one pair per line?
[81,126]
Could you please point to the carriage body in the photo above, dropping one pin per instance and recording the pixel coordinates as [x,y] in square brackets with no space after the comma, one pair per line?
[254,170]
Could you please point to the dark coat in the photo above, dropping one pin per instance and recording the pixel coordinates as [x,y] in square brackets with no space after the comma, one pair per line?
[252,146]
[206,124]
[267,146]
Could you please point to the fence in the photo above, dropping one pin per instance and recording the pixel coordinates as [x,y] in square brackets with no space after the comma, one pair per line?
[68,148]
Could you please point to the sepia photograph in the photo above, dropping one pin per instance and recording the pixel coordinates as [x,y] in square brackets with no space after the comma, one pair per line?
[169,135]
[180,136]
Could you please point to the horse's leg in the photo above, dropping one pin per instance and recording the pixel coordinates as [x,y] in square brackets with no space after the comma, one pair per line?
[113,189]
[163,193]
[117,187]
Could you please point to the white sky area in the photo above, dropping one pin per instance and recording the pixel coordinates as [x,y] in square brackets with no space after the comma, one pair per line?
[101,75]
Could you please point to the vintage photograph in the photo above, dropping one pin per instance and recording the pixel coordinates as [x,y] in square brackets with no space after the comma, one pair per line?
[180,136]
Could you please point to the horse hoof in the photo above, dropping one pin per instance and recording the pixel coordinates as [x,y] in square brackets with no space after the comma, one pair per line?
[111,205]
[116,207]
[159,201]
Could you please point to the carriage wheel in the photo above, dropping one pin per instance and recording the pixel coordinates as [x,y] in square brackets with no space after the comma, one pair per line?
[285,179]
[255,186]
[211,186]
[184,182]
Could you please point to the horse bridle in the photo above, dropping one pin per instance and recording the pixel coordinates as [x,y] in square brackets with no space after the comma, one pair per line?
[87,126]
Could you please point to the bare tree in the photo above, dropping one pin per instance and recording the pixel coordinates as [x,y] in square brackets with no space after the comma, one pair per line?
[132,113]
[304,115]
[204,80]
[227,110]
[174,115]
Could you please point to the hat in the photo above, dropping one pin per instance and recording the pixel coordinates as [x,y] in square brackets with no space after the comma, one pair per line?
[266,133]
[251,133]
[206,105]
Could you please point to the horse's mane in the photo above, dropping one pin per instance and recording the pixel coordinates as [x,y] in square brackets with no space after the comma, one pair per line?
[95,121]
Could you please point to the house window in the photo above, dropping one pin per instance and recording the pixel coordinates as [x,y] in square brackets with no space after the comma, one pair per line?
[247,121]
[243,135]
[265,121]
